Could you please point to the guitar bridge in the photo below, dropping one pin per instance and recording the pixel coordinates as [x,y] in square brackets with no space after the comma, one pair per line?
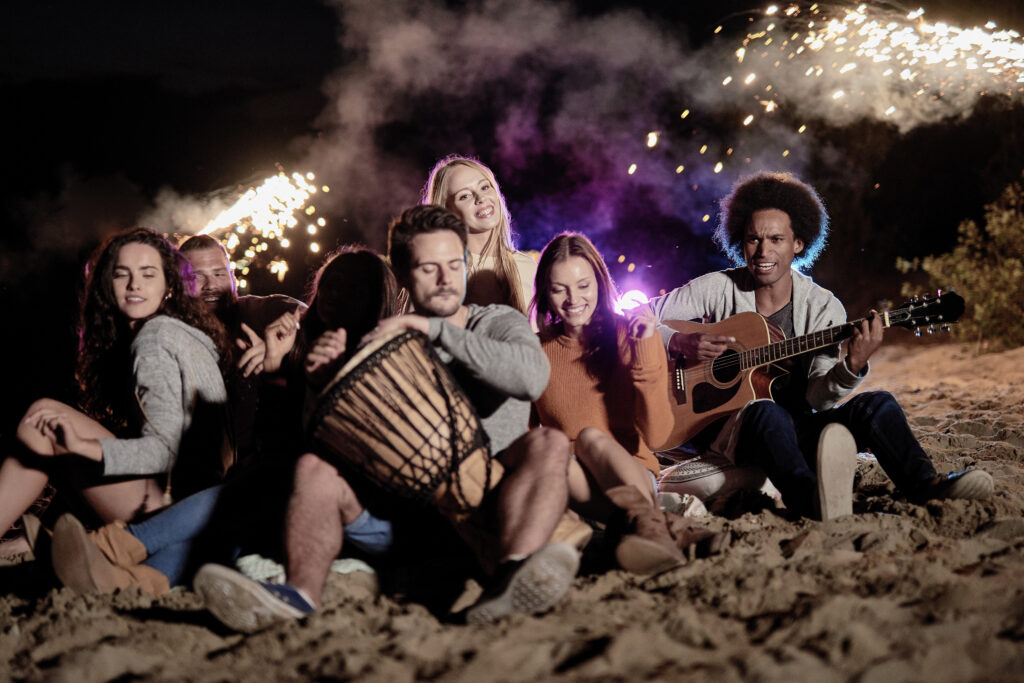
[680,384]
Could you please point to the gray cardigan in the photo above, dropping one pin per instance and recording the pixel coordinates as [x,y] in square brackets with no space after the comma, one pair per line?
[176,374]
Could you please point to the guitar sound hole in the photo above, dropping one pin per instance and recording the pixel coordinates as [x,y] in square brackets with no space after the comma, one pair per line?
[726,367]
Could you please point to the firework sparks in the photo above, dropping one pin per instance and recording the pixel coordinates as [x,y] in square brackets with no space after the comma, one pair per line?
[254,228]
[798,64]
[874,61]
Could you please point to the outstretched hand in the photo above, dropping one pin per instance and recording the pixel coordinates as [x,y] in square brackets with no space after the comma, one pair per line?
[252,361]
[281,336]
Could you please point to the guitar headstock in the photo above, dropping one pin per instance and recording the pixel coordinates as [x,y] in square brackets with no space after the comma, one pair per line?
[944,309]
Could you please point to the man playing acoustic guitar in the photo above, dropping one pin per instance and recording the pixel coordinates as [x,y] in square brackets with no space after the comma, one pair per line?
[769,222]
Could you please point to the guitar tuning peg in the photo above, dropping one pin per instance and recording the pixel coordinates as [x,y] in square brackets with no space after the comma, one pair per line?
[944,328]
[924,297]
[917,331]
[914,299]
[931,329]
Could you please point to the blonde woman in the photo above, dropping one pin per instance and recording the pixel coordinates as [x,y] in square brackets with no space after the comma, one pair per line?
[497,272]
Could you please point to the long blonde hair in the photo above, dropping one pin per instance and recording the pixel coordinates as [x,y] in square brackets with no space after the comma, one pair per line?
[499,242]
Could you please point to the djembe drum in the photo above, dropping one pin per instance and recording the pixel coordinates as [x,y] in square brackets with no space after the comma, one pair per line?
[395,415]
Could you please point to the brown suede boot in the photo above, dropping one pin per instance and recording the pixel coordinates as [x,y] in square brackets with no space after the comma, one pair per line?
[118,544]
[83,567]
[647,545]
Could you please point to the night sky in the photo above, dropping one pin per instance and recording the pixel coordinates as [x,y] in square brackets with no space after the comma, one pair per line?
[106,108]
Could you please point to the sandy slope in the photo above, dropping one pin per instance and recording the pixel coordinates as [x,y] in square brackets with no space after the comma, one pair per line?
[897,592]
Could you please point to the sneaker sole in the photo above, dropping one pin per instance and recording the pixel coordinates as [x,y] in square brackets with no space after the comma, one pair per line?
[837,463]
[239,602]
[537,586]
[974,485]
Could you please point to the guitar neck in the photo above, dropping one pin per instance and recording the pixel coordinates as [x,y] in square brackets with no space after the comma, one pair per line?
[797,346]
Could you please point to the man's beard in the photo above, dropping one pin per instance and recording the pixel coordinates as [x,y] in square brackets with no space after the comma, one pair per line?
[438,309]
[224,308]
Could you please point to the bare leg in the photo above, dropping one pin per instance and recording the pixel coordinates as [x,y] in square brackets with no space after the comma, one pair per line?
[610,464]
[19,488]
[18,482]
[534,491]
[321,504]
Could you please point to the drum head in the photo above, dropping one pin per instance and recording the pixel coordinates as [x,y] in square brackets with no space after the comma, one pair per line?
[362,354]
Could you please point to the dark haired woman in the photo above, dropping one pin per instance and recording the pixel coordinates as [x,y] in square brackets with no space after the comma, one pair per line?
[351,291]
[608,392]
[151,387]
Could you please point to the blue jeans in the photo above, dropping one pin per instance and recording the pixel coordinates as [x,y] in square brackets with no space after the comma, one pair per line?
[170,535]
[785,445]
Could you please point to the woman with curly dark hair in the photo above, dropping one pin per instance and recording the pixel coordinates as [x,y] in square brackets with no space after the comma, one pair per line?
[351,292]
[151,388]
[608,393]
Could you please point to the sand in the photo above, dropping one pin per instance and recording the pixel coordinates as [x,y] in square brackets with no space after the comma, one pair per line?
[895,592]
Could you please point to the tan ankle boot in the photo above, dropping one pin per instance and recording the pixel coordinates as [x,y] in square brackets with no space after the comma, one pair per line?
[647,544]
[81,565]
[118,544]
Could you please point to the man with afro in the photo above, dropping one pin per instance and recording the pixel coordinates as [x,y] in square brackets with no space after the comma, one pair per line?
[772,224]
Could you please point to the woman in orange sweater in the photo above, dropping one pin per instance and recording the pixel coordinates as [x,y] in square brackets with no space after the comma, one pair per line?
[608,392]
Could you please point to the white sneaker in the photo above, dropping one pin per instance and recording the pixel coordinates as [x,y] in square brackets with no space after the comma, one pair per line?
[246,605]
[837,463]
[532,586]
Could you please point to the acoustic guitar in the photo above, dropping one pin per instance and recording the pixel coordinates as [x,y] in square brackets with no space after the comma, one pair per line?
[703,391]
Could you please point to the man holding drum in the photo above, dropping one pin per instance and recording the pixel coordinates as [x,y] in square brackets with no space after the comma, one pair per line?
[498,362]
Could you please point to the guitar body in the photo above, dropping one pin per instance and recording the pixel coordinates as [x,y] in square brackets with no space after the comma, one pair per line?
[705,391]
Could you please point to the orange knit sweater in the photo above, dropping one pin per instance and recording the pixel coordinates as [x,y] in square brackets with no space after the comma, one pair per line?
[634,409]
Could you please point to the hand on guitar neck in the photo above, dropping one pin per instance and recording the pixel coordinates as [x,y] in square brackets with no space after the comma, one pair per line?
[867,337]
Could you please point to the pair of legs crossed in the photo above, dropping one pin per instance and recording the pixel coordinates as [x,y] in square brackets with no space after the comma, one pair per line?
[23,478]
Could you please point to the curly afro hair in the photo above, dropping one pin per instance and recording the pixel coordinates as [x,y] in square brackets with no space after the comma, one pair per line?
[780,191]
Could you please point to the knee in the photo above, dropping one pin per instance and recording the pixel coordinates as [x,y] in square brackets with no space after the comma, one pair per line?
[551,445]
[545,448]
[766,412]
[26,430]
[317,477]
[877,399]
[311,471]
[590,440]
[873,402]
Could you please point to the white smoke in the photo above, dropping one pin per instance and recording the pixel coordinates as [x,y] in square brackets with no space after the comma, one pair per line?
[536,84]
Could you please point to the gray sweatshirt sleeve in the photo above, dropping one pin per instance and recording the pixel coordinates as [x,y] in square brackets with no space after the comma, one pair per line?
[500,350]
[158,383]
[679,304]
[829,380]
